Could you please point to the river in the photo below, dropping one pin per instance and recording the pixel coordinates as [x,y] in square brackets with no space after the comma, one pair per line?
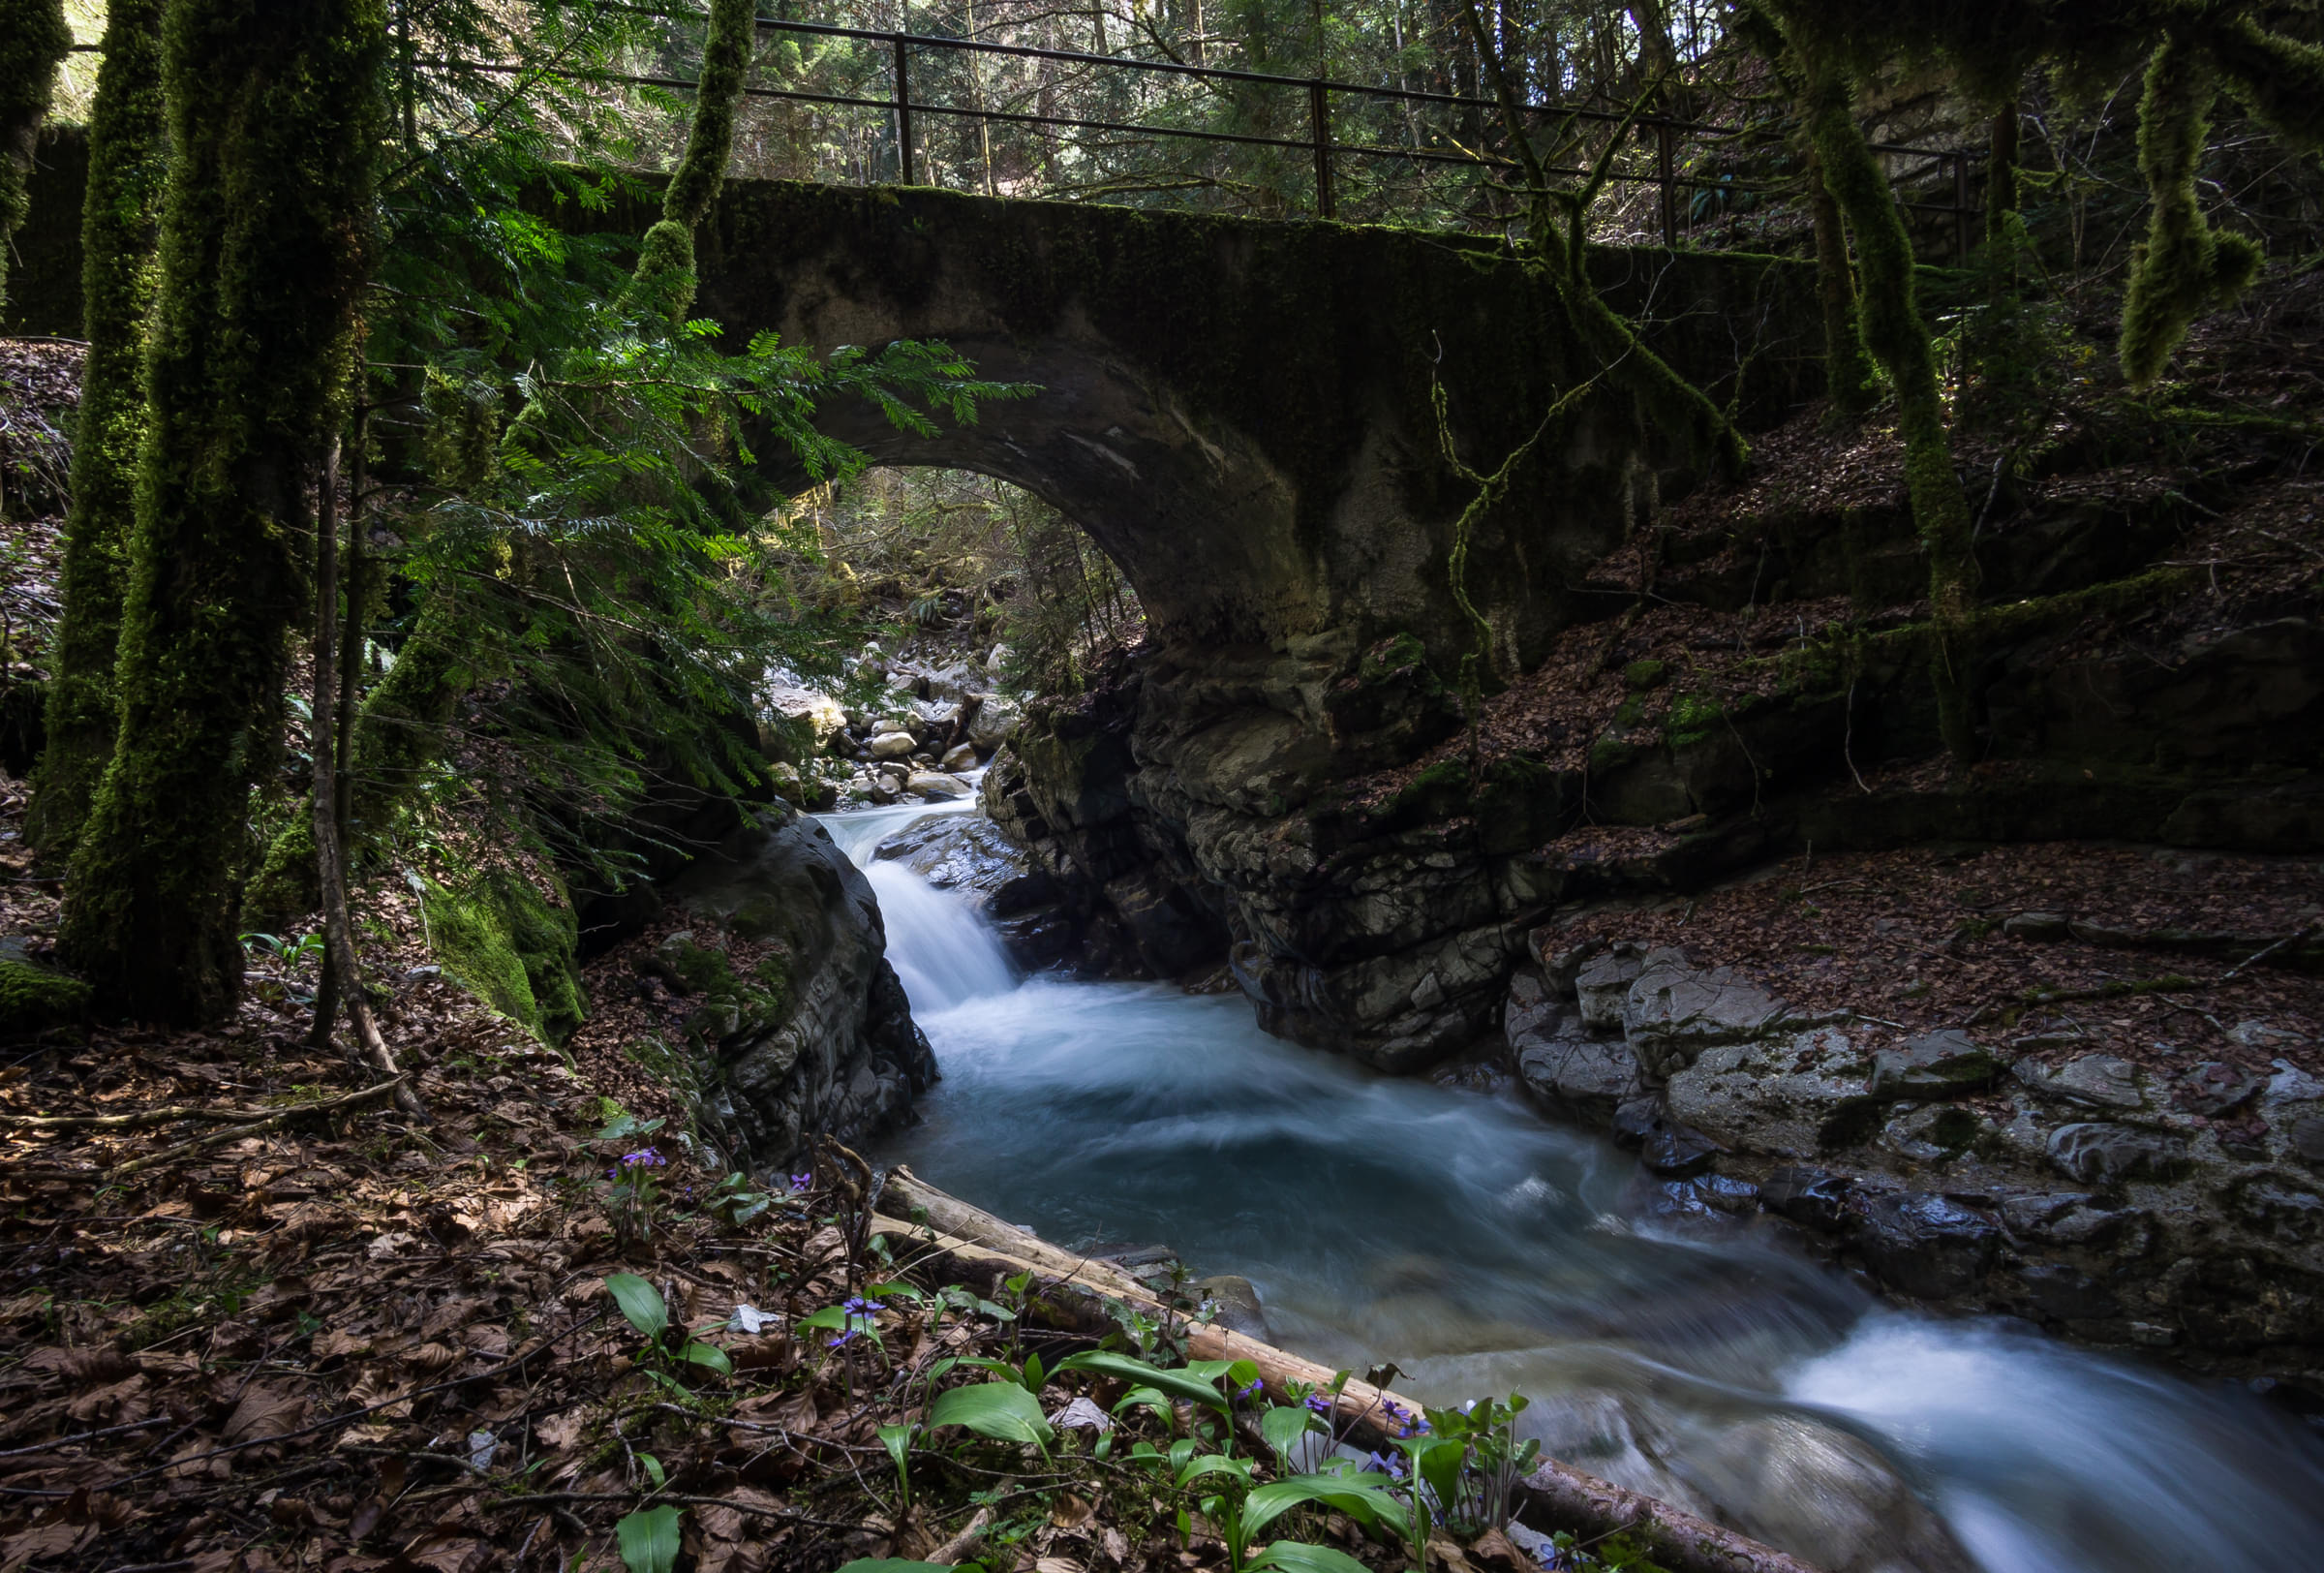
[1485,1250]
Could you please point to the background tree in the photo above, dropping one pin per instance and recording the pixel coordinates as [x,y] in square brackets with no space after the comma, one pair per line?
[120,223]
[273,118]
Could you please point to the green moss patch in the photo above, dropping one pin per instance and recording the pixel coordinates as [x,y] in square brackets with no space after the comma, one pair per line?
[33,998]
[513,948]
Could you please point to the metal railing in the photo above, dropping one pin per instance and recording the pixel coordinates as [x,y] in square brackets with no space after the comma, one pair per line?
[1672,185]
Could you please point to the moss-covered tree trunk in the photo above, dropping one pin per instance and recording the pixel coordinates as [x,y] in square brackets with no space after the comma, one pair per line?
[2186,267]
[33,38]
[273,122]
[1899,339]
[119,225]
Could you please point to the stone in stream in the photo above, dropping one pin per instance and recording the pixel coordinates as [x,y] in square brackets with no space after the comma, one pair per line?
[1677,1009]
[895,745]
[958,757]
[935,787]
[1926,1245]
[995,723]
[1793,1097]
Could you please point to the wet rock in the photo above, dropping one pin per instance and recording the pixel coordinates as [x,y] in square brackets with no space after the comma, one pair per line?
[895,745]
[2214,1087]
[2097,1080]
[2291,1085]
[1935,1064]
[1815,1198]
[1637,1117]
[1564,1069]
[2101,1153]
[955,681]
[1792,1097]
[958,852]
[2277,1205]
[1822,1493]
[1924,1245]
[958,757]
[1675,1150]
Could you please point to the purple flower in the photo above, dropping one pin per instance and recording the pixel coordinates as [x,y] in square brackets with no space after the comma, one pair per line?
[800,1181]
[845,1337]
[1386,1465]
[860,1307]
[1249,1388]
[1318,1403]
[646,1159]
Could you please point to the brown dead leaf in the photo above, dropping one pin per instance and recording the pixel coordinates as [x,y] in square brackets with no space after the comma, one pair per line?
[267,1409]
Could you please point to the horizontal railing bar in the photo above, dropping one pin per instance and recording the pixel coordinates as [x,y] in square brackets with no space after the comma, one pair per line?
[1174,68]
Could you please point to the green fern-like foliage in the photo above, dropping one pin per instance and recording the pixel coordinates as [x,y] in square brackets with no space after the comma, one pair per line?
[2186,267]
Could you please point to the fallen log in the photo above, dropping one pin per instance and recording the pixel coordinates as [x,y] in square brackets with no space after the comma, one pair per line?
[1070,1294]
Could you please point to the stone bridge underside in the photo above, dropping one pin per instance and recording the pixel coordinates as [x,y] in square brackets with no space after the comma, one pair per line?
[1237,411]
[1240,413]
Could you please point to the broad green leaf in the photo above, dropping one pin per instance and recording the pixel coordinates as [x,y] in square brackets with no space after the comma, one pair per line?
[1186,1383]
[1439,1464]
[1282,1427]
[897,1438]
[709,1355]
[654,1469]
[649,1539]
[1215,1463]
[1298,1557]
[1362,1500]
[1149,1397]
[834,1317]
[640,1302]
[1002,1410]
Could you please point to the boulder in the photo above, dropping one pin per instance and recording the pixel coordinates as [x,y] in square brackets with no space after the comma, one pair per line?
[1565,1070]
[796,722]
[1602,986]
[955,681]
[995,723]
[795,1024]
[935,787]
[897,745]
[958,757]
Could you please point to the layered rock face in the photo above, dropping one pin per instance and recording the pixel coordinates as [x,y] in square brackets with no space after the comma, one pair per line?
[793,1021]
[2071,1188]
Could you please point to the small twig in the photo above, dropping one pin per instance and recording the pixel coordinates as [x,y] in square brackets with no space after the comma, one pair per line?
[126,1122]
[86,1437]
[546,1498]
[2258,956]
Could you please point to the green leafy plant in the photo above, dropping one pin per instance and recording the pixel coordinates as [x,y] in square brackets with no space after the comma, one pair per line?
[1003,1410]
[642,1304]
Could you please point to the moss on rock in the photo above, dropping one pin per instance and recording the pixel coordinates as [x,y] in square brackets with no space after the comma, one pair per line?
[513,947]
[33,998]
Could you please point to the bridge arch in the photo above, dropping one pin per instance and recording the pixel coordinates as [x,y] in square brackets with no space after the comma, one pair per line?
[1239,410]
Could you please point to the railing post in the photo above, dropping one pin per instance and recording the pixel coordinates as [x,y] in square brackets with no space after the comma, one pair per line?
[1319,116]
[1665,167]
[1961,209]
[903,118]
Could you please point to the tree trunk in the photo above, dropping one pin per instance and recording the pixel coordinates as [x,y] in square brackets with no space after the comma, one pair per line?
[34,40]
[1898,337]
[129,156]
[265,241]
[2001,172]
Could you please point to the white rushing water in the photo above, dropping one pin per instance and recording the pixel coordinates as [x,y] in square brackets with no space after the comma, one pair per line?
[1485,1250]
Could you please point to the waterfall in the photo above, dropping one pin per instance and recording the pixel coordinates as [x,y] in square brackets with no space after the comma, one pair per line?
[943,954]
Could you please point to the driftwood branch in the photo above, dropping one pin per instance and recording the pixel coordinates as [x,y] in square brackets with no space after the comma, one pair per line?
[167,1116]
[1071,1292]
